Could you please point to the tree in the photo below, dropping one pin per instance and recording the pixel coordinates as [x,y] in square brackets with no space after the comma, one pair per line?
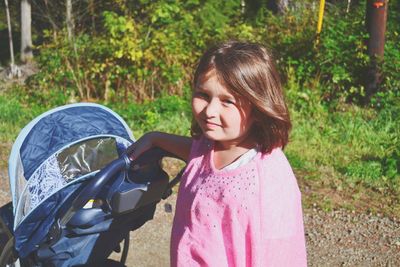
[92,15]
[70,26]
[375,21]
[276,6]
[10,40]
[26,35]
[279,6]
[15,71]
[69,20]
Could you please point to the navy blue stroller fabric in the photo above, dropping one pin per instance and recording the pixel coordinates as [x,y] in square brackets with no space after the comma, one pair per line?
[35,207]
[58,129]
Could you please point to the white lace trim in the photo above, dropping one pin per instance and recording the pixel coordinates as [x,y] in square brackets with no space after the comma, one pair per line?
[45,181]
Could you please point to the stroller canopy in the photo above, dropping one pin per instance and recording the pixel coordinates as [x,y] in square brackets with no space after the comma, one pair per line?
[59,148]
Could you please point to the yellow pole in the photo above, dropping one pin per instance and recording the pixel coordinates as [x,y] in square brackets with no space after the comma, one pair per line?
[320,15]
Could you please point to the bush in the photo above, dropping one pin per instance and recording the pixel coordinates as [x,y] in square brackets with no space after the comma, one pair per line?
[138,55]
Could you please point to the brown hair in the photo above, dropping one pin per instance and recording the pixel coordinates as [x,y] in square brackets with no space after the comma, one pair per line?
[248,70]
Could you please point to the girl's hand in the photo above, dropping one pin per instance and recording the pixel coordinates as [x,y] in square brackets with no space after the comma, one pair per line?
[143,144]
[174,144]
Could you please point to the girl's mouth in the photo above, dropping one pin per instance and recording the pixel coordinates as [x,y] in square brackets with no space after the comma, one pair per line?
[210,124]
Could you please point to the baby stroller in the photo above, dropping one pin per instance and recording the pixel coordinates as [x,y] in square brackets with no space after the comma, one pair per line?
[75,194]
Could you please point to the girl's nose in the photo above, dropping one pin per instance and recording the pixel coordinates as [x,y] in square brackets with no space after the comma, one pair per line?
[212,108]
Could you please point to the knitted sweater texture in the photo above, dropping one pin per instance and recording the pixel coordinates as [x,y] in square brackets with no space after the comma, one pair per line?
[249,216]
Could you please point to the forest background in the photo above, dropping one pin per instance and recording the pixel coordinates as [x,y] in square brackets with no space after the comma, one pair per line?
[137,57]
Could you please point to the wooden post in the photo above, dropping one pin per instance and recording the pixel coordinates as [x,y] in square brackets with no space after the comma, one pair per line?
[375,21]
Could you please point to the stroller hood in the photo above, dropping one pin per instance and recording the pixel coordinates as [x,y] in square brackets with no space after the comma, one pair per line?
[65,132]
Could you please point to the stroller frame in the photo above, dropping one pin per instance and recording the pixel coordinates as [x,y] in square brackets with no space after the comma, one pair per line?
[128,192]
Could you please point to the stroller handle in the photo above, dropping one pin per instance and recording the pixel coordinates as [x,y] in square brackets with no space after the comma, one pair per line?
[103,176]
[95,185]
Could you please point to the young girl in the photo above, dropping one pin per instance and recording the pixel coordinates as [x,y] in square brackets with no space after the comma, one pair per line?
[238,203]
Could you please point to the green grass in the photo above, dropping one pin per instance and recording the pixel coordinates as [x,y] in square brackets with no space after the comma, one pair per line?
[14,115]
[358,142]
[349,155]
[168,114]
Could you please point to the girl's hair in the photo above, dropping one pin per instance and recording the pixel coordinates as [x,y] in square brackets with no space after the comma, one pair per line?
[248,70]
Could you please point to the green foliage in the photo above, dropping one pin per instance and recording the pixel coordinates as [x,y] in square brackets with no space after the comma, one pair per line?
[147,47]
[141,58]
[10,110]
[342,55]
[367,170]
[291,38]
[167,113]
[149,50]
[14,114]
[362,145]
[338,60]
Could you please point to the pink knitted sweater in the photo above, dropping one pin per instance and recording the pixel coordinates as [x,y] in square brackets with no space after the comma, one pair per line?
[249,216]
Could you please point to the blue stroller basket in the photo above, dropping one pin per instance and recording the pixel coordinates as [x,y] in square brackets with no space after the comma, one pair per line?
[75,194]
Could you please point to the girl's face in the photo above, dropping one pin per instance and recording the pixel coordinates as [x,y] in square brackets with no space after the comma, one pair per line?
[222,116]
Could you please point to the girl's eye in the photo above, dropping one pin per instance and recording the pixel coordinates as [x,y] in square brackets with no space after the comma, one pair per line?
[229,102]
[201,95]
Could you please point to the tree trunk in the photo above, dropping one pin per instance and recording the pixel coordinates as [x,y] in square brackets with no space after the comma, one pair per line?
[278,6]
[92,14]
[26,35]
[71,26]
[10,34]
[70,21]
[375,21]
[243,6]
[14,70]
[282,5]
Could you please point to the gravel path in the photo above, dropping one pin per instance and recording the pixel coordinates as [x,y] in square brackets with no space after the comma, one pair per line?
[342,238]
[337,238]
